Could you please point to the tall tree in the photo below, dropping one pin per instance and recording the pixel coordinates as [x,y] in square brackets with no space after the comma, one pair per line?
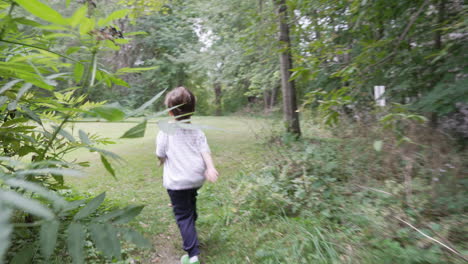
[291,117]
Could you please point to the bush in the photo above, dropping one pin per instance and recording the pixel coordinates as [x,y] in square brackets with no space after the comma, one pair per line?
[41,91]
[367,193]
[303,178]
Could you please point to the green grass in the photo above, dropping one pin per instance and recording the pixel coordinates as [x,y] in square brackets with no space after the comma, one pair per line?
[235,148]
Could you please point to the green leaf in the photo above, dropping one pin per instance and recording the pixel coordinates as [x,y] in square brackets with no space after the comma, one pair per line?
[110,44]
[53,28]
[15,121]
[73,205]
[72,50]
[128,214]
[25,21]
[3,100]
[93,70]
[24,255]
[106,240]
[25,204]
[110,113]
[378,145]
[24,89]
[122,41]
[65,134]
[45,171]
[136,131]
[121,216]
[25,150]
[79,14]
[43,11]
[76,242]
[119,81]
[107,165]
[90,207]
[167,127]
[86,26]
[84,137]
[8,85]
[58,179]
[106,153]
[48,237]
[135,237]
[5,229]
[59,202]
[135,33]
[78,72]
[31,114]
[58,35]
[148,103]
[134,70]
[115,15]
[109,216]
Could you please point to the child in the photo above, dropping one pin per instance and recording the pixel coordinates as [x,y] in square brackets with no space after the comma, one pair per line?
[187,163]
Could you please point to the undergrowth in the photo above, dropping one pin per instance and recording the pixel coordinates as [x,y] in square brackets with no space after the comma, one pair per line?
[344,200]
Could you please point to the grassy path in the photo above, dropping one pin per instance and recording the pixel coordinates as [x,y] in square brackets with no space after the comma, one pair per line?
[140,180]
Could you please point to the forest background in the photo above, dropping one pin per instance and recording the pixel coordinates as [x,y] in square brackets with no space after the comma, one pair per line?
[308,64]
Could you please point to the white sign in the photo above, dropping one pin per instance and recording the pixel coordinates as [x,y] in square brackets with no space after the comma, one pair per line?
[379,95]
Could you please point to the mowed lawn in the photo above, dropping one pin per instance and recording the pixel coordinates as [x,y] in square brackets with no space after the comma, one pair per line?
[236,146]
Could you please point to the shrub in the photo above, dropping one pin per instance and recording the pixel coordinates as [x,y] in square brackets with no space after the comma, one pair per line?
[376,198]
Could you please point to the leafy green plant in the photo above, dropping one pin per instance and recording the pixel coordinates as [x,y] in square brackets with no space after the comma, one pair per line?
[330,104]
[42,90]
[303,179]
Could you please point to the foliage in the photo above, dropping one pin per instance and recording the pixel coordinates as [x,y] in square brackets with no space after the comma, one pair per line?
[42,89]
[300,181]
[414,48]
[330,105]
[335,200]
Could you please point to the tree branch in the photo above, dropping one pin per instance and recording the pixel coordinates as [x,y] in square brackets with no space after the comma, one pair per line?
[402,36]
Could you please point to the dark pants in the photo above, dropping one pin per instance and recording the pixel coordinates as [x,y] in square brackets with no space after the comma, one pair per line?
[184,204]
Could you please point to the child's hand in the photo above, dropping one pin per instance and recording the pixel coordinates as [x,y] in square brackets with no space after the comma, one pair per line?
[211,174]
[161,161]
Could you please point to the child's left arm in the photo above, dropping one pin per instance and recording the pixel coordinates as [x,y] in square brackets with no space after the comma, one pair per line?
[211,173]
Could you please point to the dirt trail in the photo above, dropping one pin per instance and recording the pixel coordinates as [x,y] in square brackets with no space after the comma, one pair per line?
[166,247]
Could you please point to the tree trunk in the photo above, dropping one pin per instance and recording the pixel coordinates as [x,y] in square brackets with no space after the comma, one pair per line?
[291,117]
[274,95]
[266,100]
[217,90]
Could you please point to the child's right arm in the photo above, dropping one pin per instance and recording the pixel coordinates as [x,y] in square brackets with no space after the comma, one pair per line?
[161,161]
[161,147]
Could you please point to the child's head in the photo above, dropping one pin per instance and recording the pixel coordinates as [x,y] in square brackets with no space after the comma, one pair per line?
[183,97]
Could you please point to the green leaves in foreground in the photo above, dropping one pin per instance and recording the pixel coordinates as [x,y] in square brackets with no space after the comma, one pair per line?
[5,229]
[43,11]
[104,230]
[110,113]
[76,241]
[90,207]
[48,237]
[136,131]
[31,206]
[107,165]
[105,239]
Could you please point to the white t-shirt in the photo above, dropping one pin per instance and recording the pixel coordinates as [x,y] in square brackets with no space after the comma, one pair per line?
[184,167]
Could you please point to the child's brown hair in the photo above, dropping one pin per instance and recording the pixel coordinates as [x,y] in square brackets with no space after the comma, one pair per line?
[184,98]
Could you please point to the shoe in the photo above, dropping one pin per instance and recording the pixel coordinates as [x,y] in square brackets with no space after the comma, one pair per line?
[186,260]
